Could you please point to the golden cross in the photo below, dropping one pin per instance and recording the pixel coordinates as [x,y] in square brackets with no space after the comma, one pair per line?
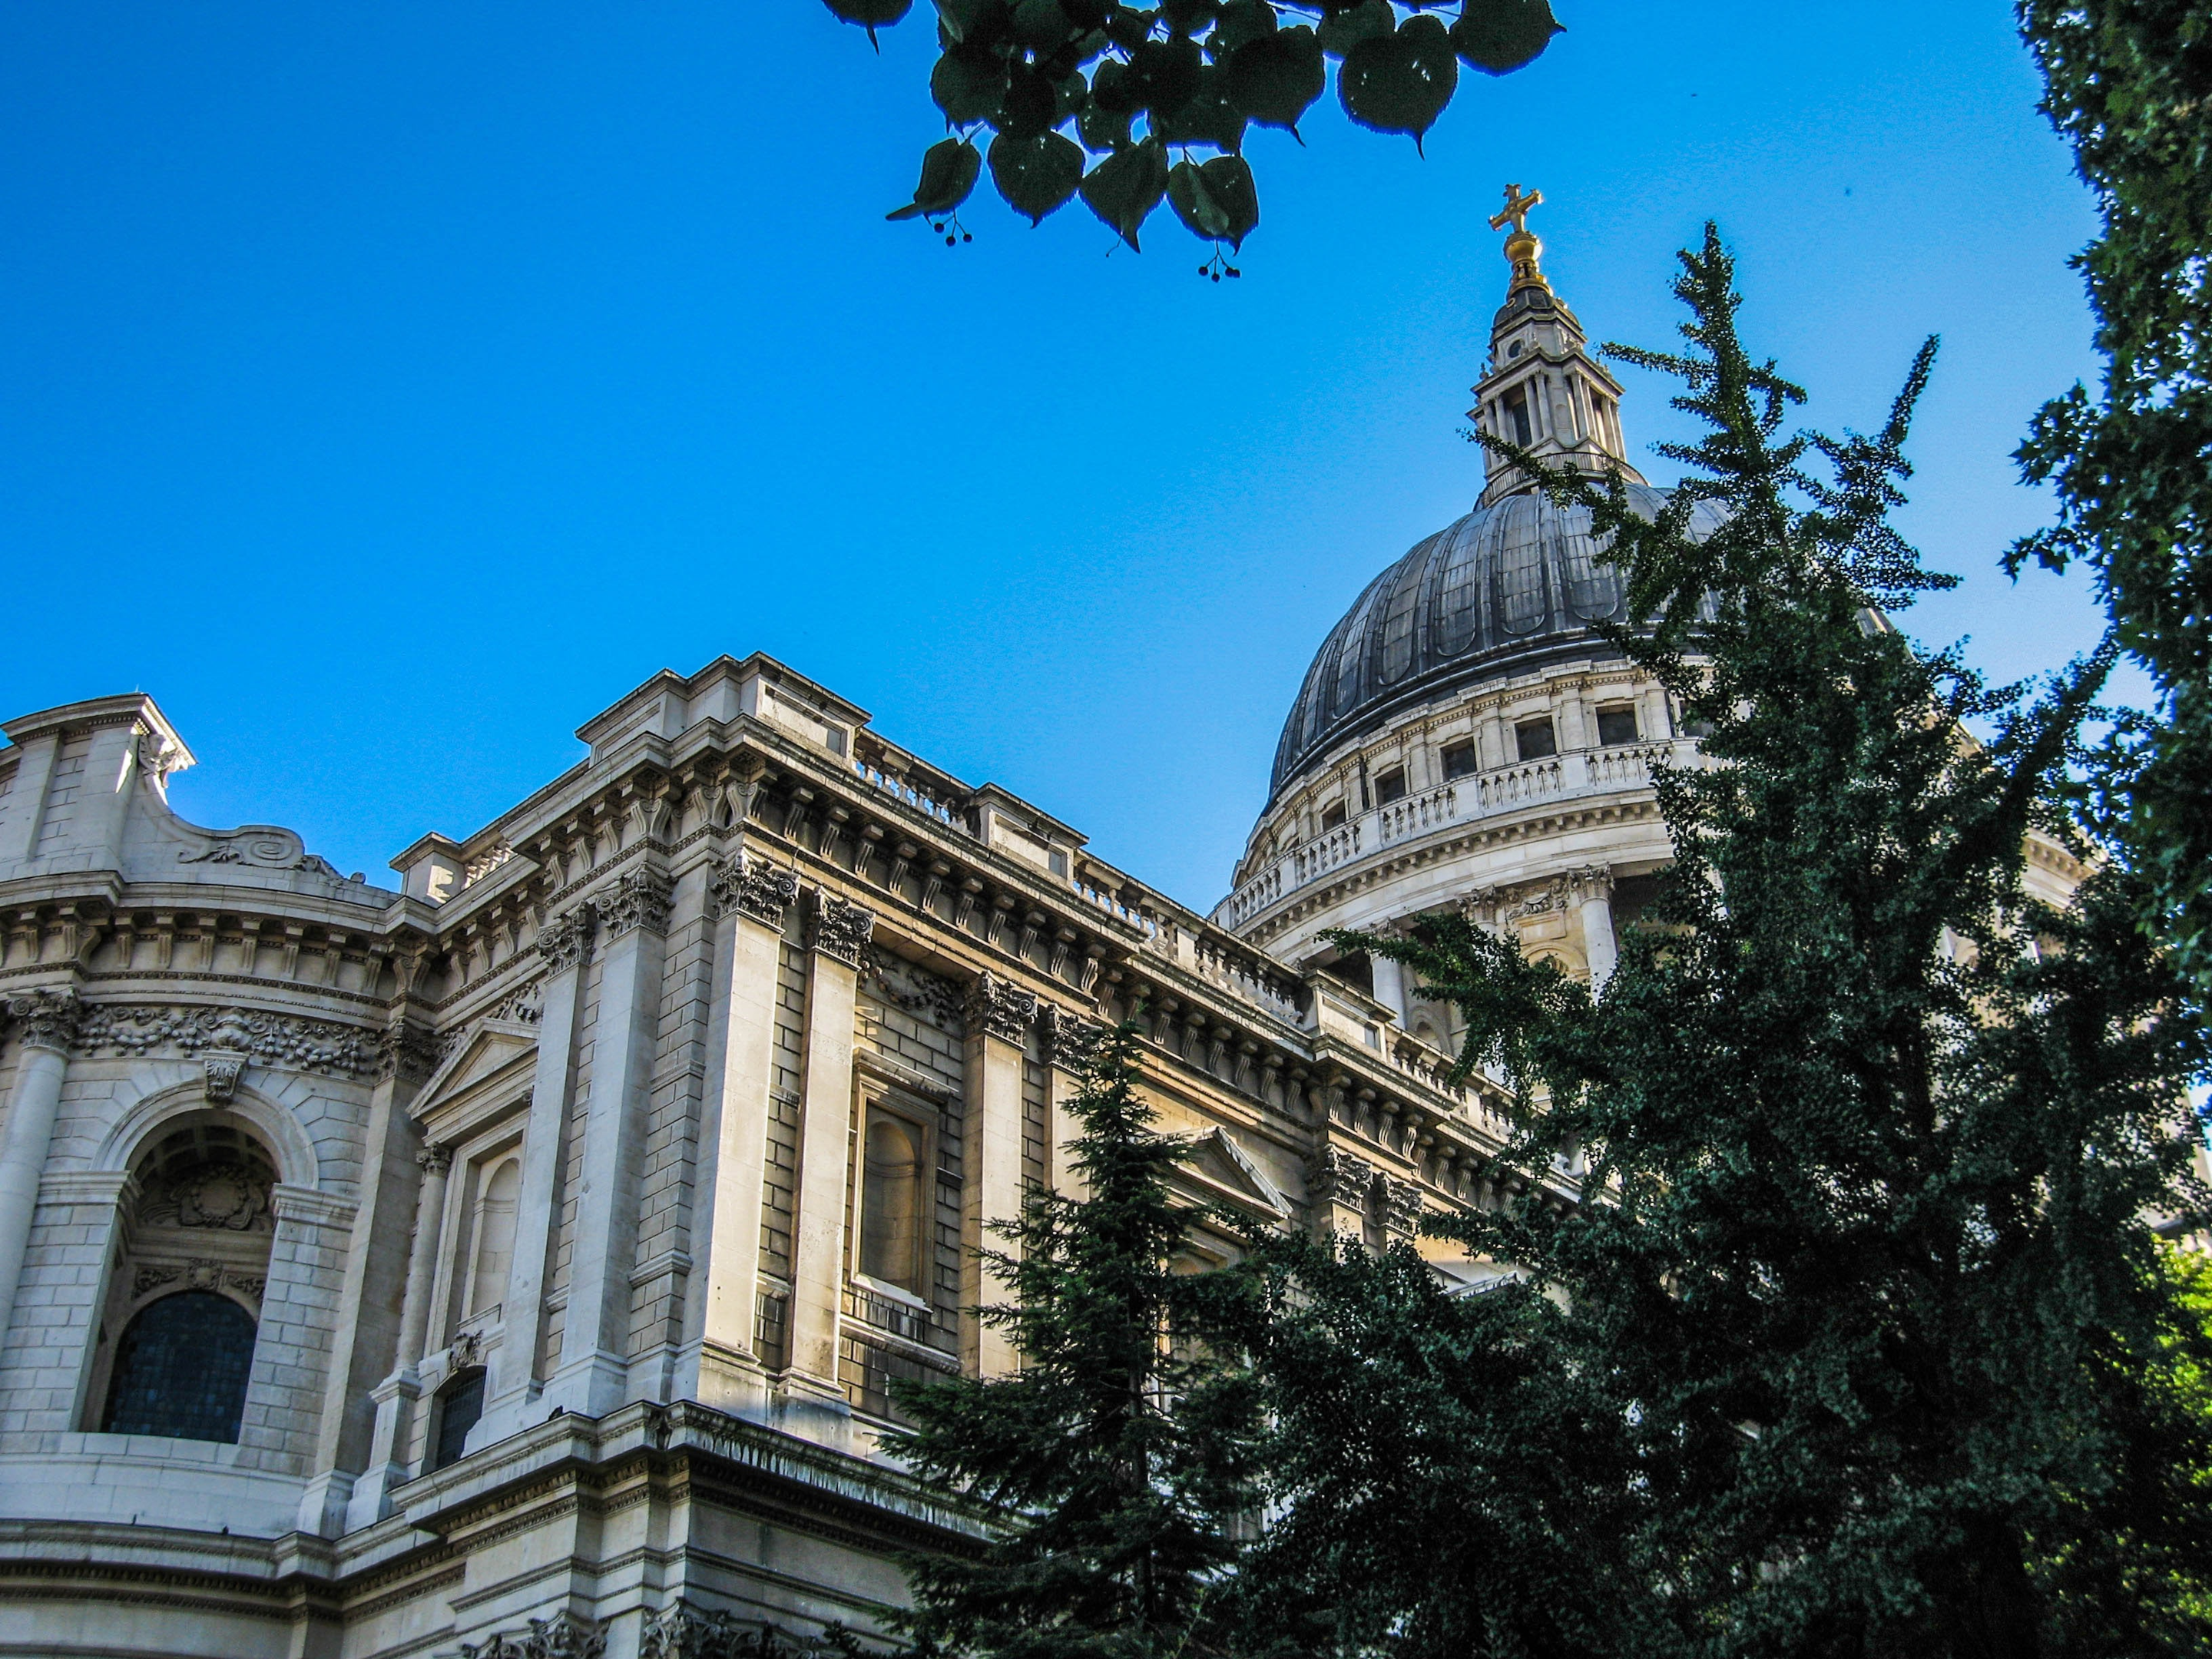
[1517,209]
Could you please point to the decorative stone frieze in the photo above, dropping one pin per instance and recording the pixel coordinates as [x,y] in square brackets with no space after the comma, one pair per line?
[321,1045]
[224,1197]
[839,929]
[219,1075]
[197,1276]
[563,941]
[45,1019]
[638,899]
[563,1636]
[998,1009]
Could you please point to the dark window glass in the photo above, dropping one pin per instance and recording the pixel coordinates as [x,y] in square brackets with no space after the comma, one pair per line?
[1390,786]
[181,1368]
[460,1403]
[1533,739]
[890,1203]
[1332,815]
[1516,415]
[1459,760]
[1616,725]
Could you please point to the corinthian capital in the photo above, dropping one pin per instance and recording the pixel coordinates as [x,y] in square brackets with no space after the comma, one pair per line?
[45,1019]
[561,941]
[638,899]
[753,887]
[999,1010]
[840,929]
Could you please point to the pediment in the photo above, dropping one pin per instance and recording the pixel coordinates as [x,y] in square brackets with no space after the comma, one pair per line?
[1223,1173]
[494,1053]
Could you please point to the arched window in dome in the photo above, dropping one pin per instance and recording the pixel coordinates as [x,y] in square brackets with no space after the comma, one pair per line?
[1593,591]
[1350,692]
[175,1341]
[181,1369]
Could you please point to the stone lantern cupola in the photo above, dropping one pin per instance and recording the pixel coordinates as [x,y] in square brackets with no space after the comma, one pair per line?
[1542,389]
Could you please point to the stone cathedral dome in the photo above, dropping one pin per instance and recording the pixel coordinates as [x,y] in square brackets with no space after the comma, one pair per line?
[1516,583]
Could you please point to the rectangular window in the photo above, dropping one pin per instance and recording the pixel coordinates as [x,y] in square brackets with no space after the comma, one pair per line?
[1459,760]
[1331,816]
[1533,739]
[1390,786]
[1516,415]
[891,1173]
[1617,725]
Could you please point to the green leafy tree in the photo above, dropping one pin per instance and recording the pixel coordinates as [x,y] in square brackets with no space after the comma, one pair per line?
[1855,1345]
[1129,106]
[2128,82]
[1116,1460]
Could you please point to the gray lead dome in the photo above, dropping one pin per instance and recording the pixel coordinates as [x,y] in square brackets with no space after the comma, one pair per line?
[1508,587]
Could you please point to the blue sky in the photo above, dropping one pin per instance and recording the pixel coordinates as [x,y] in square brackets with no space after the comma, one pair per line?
[388,388]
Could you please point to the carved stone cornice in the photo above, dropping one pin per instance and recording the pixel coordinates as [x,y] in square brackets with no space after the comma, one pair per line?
[45,1019]
[271,1039]
[563,941]
[839,929]
[998,1009]
[639,898]
[753,887]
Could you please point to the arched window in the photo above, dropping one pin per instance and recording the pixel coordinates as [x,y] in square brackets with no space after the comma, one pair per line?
[495,1236]
[181,1368]
[460,1403]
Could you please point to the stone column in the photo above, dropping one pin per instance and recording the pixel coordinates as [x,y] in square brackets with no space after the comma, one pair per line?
[563,942]
[594,1371]
[717,1366]
[44,1021]
[376,1261]
[838,931]
[1592,891]
[395,1397]
[1390,988]
[999,1018]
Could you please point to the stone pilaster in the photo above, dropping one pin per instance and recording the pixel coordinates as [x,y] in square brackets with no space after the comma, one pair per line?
[394,1398]
[592,1373]
[42,1024]
[1000,1016]
[838,933]
[718,1365]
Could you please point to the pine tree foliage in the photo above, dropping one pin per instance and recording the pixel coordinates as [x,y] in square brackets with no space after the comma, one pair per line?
[1854,1347]
[1116,1460]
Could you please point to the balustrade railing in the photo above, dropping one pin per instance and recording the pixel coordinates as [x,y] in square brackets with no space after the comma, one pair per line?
[1477,795]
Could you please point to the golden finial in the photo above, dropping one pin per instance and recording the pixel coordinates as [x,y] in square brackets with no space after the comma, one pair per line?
[1521,247]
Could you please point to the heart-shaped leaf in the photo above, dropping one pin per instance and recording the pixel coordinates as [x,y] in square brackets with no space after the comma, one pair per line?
[976,23]
[968,87]
[1340,31]
[1036,175]
[948,173]
[1400,82]
[869,14]
[1241,21]
[1274,80]
[1123,189]
[1101,127]
[1164,74]
[1217,200]
[1499,36]
[1030,105]
[1041,23]
[1208,118]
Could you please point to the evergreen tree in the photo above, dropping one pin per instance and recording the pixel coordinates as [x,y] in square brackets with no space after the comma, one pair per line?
[1855,1346]
[1115,1461]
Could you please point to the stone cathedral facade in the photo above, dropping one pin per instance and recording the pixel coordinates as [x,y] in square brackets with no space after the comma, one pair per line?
[517,1263]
